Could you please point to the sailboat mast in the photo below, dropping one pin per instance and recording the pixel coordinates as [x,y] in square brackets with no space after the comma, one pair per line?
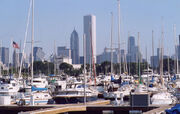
[139,70]
[128,53]
[84,51]
[119,48]
[111,43]
[168,63]
[0,57]
[32,42]
[55,58]
[152,51]
[25,39]
[92,55]
[162,53]
[176,49]
[147,59]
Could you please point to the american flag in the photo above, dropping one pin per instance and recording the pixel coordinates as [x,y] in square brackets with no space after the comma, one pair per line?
[15,45]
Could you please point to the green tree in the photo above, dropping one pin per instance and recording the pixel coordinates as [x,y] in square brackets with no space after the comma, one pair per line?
[43,67]
[106,67]
[66,68]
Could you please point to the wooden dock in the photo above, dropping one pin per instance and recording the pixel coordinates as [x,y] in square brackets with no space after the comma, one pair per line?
[159,110]
[56,109]
[116,109]
[95,107]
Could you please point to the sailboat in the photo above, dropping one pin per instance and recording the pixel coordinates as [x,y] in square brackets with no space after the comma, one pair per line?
[163,96]
[78,92]
[36,96]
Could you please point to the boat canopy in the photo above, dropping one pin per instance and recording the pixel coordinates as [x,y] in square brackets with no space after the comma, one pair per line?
[174,110]
[38,89]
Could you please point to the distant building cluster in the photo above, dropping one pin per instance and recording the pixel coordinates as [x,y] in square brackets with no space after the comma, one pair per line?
[71,55]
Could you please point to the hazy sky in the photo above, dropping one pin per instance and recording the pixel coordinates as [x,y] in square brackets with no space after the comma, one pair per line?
[56,19]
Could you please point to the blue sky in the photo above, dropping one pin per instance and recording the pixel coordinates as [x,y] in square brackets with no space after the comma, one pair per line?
[56,19]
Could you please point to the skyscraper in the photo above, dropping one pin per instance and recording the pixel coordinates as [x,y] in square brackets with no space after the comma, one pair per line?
[133,50]
[131,44]
[74,43]
[4,55]
[62,51]
[15,59]
[90,34]
[38,54]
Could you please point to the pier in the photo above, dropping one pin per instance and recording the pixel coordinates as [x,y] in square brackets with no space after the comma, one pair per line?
[96,107]
[159,110]
[49,109]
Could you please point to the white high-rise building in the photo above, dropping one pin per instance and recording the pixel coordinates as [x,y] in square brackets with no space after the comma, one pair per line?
[90,34]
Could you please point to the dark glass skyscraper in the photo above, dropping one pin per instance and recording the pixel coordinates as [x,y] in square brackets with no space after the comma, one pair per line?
[133,50]
[4,55]
[131,44]
[74,47]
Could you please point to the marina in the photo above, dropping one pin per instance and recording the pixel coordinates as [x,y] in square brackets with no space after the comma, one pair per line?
[66,81]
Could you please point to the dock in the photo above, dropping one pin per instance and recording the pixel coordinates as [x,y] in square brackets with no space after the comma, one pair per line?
[95,107]
[49,109]
[159,110]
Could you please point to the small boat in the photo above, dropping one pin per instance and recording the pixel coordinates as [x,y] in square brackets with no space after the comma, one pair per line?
[9,87]
[162,98]
[39,97]
[123,91]
[40,82]
[75,95]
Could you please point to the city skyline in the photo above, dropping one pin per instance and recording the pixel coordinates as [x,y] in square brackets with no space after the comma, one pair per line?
[56,22]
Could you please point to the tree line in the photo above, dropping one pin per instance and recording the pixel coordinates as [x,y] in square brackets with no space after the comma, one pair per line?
[47,68]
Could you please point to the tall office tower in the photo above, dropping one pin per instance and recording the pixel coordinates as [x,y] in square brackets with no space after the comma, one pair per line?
[15,59]
[4,55]
[38,54]
[133,50]
[90,34]
[131,44]
[74,43]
